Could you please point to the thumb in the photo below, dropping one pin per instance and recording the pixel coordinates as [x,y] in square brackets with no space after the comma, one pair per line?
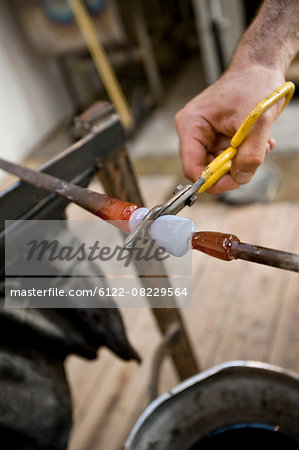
[252,151]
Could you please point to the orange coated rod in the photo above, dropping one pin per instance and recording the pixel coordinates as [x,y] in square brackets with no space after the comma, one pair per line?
[101,205]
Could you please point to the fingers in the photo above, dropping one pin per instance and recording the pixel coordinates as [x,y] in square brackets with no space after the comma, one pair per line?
[194,142]
[199,143]
[226,183]
[193,156]
[271,144]
[252,152]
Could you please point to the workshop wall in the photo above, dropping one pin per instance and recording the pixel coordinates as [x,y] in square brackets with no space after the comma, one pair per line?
[33,98]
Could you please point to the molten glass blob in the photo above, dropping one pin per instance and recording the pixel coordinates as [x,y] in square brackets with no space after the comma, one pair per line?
[115,210]
[219,245]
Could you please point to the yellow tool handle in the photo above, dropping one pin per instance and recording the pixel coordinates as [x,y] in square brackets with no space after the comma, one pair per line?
[212,179]
[102,62]
[222,163]
[287,90]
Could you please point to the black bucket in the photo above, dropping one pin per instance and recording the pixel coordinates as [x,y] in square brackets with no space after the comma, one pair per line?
[236,403]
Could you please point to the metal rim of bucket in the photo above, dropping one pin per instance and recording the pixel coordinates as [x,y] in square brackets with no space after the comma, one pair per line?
[190,382]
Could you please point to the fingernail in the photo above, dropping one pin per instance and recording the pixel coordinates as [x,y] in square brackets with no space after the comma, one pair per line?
[242,177]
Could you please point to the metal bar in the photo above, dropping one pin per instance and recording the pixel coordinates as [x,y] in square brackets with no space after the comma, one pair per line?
[267,256]
[170,338]
[87,199]
[70,165]
[206,41]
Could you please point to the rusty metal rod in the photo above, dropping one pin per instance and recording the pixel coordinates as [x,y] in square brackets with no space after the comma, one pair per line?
[87,199]
[228,247]
[268,256]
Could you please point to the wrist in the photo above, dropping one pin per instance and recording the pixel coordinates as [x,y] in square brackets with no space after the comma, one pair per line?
[251,76]
[272,40]
[270,56]
[244,63]
[258,81]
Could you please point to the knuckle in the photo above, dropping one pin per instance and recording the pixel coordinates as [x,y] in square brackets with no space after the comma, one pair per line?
[188,173]
[265,120]
[252,160]
[181,113]
[177,116]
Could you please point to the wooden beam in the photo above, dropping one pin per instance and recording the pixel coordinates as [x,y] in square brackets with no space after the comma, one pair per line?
[119,181]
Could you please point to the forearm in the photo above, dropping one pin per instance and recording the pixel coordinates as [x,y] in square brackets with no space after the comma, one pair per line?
[272,40]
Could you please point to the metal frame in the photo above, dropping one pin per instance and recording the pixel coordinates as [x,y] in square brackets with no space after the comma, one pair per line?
[101,149]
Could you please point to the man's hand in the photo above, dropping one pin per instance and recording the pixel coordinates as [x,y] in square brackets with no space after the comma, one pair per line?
[209,121]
